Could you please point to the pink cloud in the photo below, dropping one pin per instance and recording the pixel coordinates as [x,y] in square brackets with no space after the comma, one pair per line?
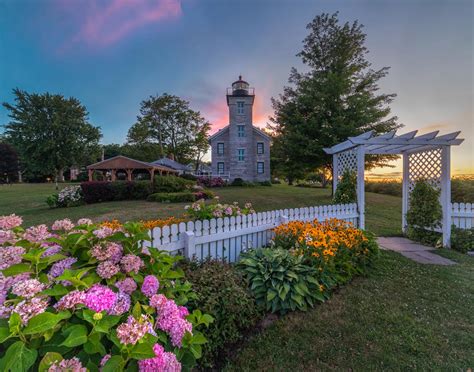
[104,23]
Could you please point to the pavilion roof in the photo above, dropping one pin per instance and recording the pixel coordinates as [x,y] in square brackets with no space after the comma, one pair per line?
[123,162]
[390,143]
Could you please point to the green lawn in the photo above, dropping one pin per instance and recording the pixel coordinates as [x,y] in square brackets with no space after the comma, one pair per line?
[383,212]
[403,316]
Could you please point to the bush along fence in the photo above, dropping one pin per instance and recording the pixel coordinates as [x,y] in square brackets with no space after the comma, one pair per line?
[225,238]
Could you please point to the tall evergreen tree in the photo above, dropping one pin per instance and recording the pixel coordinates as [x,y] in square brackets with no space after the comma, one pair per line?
[335,98]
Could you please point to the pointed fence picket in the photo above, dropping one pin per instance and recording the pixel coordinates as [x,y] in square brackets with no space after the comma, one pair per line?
[225,238]
[462,215]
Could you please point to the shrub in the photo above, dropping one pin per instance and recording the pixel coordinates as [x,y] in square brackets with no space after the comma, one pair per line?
[222,292]
[188,176]
[88,294]
[204,194]
[346,191]
[171,184]
[462,240]
[393,188]
[172,197]
[265,183]
[281,281]
[238,182]
[424,213]
[202,211]
[211,182]
[462,190]
[337,249]
[70,196]
[97,191]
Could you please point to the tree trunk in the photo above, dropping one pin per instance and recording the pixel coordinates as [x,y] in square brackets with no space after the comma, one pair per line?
[61,175]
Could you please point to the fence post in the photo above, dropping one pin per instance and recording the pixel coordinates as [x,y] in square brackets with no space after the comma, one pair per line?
[188,244]
[283,220]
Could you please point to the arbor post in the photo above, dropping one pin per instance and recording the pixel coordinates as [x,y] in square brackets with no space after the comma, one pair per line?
[405,190]
[446,194]
[334,174]
[360,185]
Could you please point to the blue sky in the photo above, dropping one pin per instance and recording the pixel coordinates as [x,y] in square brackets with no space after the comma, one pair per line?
[112,54]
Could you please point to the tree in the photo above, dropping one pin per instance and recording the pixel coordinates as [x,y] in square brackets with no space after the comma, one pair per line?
[8,163]
[335,98]
[51,132]
[168,122]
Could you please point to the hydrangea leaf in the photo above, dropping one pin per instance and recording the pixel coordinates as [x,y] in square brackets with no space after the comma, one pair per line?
[18,358]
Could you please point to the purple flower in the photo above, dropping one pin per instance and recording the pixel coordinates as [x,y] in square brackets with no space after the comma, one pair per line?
[67,365]
[127,285]
[10,222]
[131,263]
[104,360]
[99,298]
[27,309]
[65,225]
[70,300]
[7,236]
[162,362]
[10,256]
[5,311]
[6,282]
[110,251]
[133,330]
[150,285]
[37,234]
[52,249]
[122,305]
[58,268]
[107,269]
[27,288]
[183,311]
[84,221]
[103,232]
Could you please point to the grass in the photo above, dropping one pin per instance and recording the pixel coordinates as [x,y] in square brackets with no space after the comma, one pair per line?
[403,316]
[383,212]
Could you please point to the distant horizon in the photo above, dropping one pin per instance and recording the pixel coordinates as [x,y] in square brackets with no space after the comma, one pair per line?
[112,55]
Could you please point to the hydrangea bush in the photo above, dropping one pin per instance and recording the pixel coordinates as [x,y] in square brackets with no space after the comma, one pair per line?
[70,196]
[81,296]
[201,210]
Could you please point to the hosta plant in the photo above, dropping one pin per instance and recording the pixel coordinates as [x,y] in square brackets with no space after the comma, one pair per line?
[281,281]
[80,297]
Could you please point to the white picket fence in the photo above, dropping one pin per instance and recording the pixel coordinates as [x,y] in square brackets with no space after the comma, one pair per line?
[462,215]
[225,238]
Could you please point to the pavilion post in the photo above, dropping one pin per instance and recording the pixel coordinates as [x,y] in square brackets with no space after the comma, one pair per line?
[335,176]
[129,174]
[360,185]
[405,191]
[114,174]
[91,173]
[446,194]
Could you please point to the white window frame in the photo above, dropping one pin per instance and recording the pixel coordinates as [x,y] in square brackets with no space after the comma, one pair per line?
[263,167]
[219,170]
[219,144]
[262,145]
[239,157]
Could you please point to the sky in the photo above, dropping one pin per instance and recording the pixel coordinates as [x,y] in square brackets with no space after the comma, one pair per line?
[113,54]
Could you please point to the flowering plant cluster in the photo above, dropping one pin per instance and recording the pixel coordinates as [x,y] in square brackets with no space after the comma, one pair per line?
[201,210]
[70,196]
[335,247]
[81,296]
[211,181]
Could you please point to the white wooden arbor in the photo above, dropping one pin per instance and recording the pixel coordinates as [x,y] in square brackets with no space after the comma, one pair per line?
[424,157]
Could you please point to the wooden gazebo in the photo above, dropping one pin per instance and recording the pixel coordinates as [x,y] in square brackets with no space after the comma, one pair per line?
[128,165]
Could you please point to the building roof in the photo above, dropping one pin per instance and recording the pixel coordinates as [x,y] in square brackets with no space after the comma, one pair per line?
[123,162]
[170,163]
[226,129]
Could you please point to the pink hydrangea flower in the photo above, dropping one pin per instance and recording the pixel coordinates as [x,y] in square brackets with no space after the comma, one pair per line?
[100,297]
[10,222]
[107,269]
[131,263]
[28,288]
[110,251]
[127,285]
[162,362]
[6,282]
[65,225]
[84,221]
[71,300]
[183,311]
[67,365]
[105,359]
[122,305]
[10,256]
[37,234]
[150,285]
[7,236]
[5,311]
[27,309]
[103,232]
[133,330]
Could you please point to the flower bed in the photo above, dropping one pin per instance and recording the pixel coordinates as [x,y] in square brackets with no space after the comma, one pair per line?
[201,210]
[83,296]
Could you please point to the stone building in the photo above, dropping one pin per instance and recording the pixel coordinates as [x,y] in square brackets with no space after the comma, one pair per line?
[241,150]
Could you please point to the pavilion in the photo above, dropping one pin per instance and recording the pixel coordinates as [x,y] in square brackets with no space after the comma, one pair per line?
[120,162]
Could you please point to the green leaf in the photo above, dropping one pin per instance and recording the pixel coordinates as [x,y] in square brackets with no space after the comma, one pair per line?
[18,358]
[271,295]
[114,364]
[76,335]
[94,344]
[106,323]
[14,323]
[44,321]
[4,334]
[57,290]
[16,269]
[142,351]
[137,310]
[198,339]
[48,360]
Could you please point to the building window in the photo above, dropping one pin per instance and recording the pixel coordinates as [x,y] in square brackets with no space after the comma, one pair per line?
[240,108]
[241,130]
[220,168]
[220,148]
[260,167]
[260,148]
[240,154]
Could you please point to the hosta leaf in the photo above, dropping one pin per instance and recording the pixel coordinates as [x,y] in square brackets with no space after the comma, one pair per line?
[18,358]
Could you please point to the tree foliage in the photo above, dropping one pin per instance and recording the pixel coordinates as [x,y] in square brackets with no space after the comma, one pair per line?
[335,98]
[51,132]
[167,123]
[8,163]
